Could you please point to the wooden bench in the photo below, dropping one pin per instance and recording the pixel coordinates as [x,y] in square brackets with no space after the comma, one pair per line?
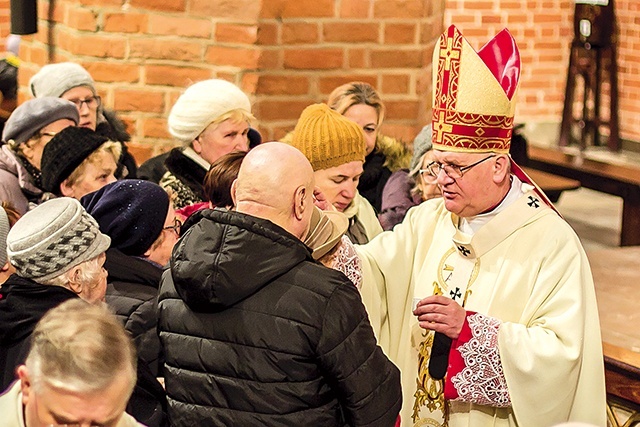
[552,185]
[619,180]
[616,277]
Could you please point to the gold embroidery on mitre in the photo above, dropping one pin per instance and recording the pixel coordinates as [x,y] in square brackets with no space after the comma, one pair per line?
[471,111]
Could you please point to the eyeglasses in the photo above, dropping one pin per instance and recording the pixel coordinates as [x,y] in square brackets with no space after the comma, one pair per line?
[452,171]
[92,102]
[176,227]
[426,175]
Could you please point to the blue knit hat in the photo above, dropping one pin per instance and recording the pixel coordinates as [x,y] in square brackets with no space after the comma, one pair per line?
[132,212]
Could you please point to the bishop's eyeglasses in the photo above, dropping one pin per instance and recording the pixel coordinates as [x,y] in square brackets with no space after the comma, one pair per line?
[452,171]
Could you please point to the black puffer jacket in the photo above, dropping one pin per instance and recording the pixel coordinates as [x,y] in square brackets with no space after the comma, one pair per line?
[132,292]
[23,302]
[256,333]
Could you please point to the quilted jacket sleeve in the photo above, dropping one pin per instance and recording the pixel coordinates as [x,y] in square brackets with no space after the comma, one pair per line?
[366,381]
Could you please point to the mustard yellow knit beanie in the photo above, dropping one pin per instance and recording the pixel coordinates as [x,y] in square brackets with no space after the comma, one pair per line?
[327,138]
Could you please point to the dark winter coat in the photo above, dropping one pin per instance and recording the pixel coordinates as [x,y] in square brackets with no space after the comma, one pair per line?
[23,302]
[132,291]
[256,333]
[115,129]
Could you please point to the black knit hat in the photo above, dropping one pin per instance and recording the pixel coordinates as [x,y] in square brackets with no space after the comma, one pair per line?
[131,211]
[65,152]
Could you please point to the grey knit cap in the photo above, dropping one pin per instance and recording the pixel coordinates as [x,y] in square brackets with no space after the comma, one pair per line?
[53,238]
[33,115]
[4,229]
[421,144]
[56,79]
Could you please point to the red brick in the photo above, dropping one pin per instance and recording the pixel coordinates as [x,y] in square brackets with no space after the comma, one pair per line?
[82,19]
[546,18]
[170,75]
[299,33]
[233,56]
[236,10]
[96,46]
[297,9]
[164,5]
[396,84]
[140,152]
[171,25]
[267,34]
[109,72]
[100,3]
[155,128]
[270,59]
[139,101]
[358,58]
[282,85]
[314,59]
[398,9]
[479,5]
[157,48]
[397,58]
[399,33]
[355,9]
[350,32]
[404,109]
[280,110]
[236,33]
[125,22]
[329,83]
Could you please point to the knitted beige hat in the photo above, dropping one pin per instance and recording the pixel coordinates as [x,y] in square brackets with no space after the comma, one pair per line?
[327,138]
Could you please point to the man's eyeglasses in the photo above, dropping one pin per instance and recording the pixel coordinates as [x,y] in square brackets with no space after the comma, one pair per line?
[176,227]
[452,171]
[92,102]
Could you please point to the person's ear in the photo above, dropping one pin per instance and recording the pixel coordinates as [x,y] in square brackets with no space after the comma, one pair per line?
[300,204]
[196,145]
[27,149]
[501,168]
[66,189]
[74,283]
[25,383]
[234,188]
[5,267]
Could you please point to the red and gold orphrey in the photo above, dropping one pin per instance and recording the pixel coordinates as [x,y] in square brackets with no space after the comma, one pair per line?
[455,130]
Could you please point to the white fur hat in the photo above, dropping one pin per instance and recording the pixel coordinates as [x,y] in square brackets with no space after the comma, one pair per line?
[201,104]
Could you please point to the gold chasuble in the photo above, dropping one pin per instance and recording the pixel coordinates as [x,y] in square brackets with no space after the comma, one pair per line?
[529,353]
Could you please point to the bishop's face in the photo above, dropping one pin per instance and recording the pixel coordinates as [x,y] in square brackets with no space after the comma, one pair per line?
[475,191]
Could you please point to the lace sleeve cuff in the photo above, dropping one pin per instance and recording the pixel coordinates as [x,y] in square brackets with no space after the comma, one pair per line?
[475,373]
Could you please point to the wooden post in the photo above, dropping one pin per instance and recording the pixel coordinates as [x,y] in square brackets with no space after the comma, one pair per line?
[592,48]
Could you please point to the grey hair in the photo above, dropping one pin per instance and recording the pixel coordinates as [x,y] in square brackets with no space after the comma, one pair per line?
[80,347]
[88,274]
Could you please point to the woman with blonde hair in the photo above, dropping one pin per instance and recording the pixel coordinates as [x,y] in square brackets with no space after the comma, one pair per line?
[359,102]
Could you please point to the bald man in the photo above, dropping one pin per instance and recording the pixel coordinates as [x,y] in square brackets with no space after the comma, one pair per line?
[256,332]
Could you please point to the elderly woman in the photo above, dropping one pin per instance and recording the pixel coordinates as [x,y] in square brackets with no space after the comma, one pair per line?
[28,130]
[58,251]
[210,119]
[70,81]
[410,187]
[359,102]
[78,161]
[336,149]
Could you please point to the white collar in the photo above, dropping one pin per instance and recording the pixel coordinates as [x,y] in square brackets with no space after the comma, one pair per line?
[472,224]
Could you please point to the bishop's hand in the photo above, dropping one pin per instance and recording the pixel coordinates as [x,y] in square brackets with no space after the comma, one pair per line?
[440,314]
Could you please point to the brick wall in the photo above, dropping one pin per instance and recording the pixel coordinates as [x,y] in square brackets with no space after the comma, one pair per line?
[284,54]
[544,30]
